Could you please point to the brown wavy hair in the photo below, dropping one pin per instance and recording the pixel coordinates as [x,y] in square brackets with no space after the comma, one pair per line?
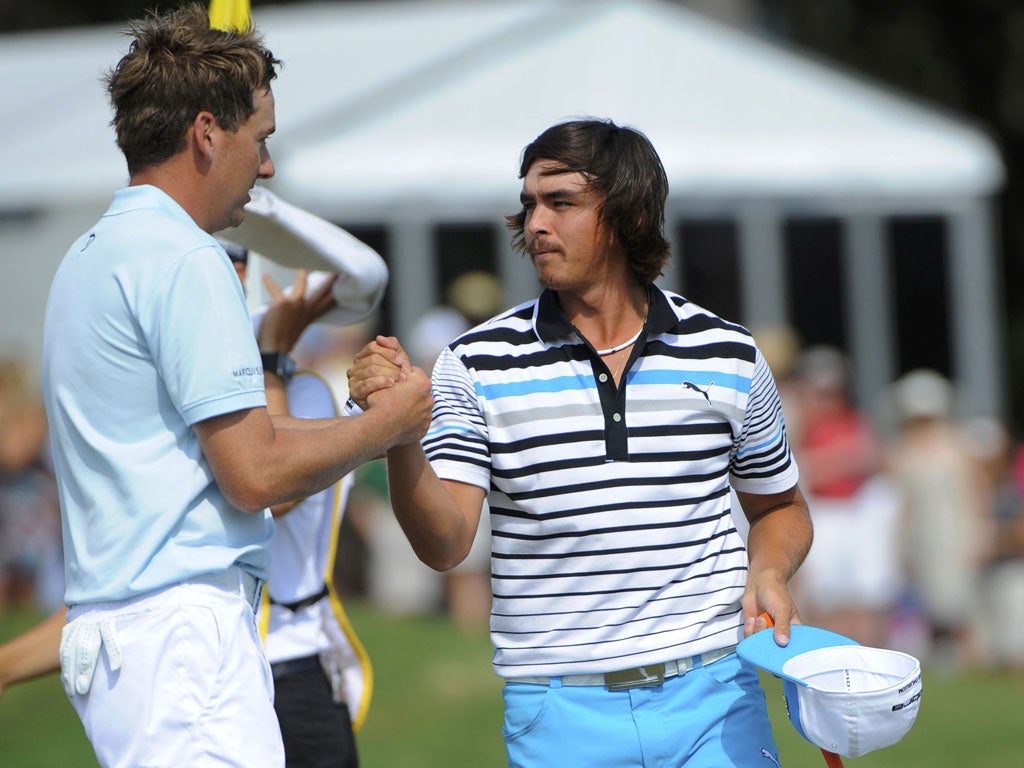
[175,68]
[622,165]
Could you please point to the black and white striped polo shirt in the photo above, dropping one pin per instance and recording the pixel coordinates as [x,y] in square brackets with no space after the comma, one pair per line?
[613,543]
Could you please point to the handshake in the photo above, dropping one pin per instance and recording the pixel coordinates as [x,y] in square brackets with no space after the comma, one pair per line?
[383,379]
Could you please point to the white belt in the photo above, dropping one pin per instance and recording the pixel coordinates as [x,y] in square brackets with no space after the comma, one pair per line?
[236,580]
[647,674]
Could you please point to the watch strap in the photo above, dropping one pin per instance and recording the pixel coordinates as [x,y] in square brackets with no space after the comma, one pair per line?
[280,364]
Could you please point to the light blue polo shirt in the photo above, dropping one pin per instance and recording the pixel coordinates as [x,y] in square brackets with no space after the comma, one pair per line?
[146,333]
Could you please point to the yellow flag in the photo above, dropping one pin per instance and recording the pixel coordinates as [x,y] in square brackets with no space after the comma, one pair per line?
[230,14]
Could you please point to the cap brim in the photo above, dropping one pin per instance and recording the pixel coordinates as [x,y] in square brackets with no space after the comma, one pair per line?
[296,238]
[263,232]
[761,650]
[292,238]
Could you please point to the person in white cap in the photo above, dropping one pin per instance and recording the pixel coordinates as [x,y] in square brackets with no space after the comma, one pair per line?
[166,457]
[606,423]
[944,503]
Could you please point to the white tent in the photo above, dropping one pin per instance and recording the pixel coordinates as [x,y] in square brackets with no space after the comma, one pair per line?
[410,113]
[380,101]
[730,114]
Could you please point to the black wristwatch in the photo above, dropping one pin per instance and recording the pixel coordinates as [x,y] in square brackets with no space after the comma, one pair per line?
[280,364]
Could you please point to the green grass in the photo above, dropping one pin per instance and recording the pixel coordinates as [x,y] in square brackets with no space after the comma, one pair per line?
[38,727]
[438,705]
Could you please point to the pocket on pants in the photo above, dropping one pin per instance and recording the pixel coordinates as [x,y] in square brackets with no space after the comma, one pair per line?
[731,671]
[524,708]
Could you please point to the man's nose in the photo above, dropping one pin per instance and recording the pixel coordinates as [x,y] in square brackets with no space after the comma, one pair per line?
[266,165]
[537,221]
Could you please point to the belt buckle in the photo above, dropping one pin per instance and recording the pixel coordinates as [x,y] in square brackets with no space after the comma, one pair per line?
[648,674]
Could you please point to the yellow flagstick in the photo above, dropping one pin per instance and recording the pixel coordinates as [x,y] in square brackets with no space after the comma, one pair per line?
[230,14]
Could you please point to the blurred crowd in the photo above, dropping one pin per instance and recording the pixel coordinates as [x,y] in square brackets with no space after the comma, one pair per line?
[918,512]
[918,515]
[31,559]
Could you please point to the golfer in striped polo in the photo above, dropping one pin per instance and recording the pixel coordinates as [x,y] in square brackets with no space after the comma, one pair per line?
[608,423]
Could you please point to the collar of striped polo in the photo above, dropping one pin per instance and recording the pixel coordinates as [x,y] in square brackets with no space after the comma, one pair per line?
[552,326]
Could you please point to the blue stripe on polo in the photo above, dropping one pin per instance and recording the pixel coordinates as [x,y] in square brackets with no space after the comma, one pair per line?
[532,387]
[740,384]
[435,432]
[764,444]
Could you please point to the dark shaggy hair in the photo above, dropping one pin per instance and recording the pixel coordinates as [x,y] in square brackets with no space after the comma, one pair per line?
[621,164]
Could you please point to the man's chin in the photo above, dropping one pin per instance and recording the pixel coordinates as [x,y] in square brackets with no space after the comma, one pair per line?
[548,280]
[236,218]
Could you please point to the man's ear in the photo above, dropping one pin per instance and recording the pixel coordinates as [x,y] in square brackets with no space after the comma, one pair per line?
[202,132]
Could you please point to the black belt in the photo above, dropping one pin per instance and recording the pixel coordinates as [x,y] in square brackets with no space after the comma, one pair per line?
[295,666]
[305,602]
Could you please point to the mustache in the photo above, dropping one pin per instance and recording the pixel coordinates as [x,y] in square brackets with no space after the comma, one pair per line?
[540,244]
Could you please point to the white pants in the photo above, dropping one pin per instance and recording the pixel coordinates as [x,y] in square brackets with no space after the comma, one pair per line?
[180,680]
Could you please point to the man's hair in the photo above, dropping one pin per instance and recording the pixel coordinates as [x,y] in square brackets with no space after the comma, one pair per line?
[619,163]
[175,68]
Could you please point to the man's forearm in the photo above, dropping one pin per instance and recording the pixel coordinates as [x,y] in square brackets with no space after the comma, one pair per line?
[33,653]
[308,462]
[258,462]
[779,541]
[438,518]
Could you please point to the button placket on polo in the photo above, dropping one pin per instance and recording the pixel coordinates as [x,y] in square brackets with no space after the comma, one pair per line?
[613,402]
